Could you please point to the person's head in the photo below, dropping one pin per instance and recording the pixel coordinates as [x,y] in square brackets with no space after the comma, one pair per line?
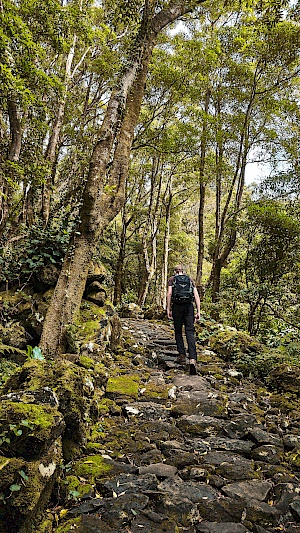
[178,269]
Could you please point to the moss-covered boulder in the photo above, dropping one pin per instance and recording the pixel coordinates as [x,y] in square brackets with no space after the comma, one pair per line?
[285,378]
[123,386]
[131,310]
[228,342]
[28,430]
[25,488]
[14,334]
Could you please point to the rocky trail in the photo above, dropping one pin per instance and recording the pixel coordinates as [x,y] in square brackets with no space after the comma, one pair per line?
[195,454]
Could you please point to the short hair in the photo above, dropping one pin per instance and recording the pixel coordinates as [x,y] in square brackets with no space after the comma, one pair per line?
[179,268]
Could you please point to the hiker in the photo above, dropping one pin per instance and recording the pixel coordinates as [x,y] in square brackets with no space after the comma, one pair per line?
[181,294]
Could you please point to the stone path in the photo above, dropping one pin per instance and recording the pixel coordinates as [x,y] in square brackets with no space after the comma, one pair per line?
[194,454]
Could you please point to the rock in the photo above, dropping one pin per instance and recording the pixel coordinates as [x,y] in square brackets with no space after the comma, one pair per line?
[193,491]
[155,313]
[202,403]
[260,436]
[285,378]
[200,425]
[241,447]
[31,429]
[97,272]
[161,470]
[225,527]
[46,277]
[221,510]
[14,335]
[26,487]
[228,342]
[268,453]
[247,490]
[131,310]
[295,508]
[95,293]
[291,441]
[262,513]
[284,494]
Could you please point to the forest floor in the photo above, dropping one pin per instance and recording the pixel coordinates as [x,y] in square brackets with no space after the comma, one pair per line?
[209,453]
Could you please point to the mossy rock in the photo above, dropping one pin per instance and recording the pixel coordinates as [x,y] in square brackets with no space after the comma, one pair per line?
[29,428]
[70,525]
[46,526]
[7,370]
[32,376]
[100,374]
[73,489]
[123,386]
[91,467]
[154,391]
[26,487]
[285,402]
[86,361]
[229,342]
[285,378]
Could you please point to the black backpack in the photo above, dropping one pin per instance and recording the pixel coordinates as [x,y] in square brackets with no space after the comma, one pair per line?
[182,290]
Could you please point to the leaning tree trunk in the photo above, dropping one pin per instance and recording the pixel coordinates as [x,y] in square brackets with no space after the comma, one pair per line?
[99,208]
[104,193]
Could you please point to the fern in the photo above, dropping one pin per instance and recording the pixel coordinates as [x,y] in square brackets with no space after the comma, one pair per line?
[5,349]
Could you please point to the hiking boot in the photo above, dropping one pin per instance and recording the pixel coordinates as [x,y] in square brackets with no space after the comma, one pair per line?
[193,370]
[181,359]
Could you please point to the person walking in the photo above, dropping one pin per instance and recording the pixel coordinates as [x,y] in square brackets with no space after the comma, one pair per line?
[182,292]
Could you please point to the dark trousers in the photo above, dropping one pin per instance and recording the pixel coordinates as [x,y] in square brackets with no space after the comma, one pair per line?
[183,315]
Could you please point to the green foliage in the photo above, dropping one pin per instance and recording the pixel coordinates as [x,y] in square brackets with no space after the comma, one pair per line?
[7,367]
[34,353]
[39,247]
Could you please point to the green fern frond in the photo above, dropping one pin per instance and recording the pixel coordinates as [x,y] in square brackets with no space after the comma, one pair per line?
[5,349]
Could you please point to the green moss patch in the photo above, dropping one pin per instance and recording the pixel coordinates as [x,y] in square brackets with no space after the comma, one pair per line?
[92,466]
[76,489]
[127,385]
[70,525]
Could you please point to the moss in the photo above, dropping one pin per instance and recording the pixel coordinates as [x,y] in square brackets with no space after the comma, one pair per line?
[37,415]
[293,458]
[94,447]
[46,526]
[108,406]
[86,362]
[92,466]
[127,385]
[7,369]
[229,343]
[76,489]
[32,376]
[87,323]
[286,402]
[96,431]
[155,391]
[70,525]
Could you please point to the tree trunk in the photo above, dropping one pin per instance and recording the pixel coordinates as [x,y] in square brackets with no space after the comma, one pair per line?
[120,263]
[13,156]
[164,273]
[50,154]
[202,198]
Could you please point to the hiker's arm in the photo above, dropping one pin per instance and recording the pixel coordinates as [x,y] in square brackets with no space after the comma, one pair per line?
[169,297]
[197,301]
